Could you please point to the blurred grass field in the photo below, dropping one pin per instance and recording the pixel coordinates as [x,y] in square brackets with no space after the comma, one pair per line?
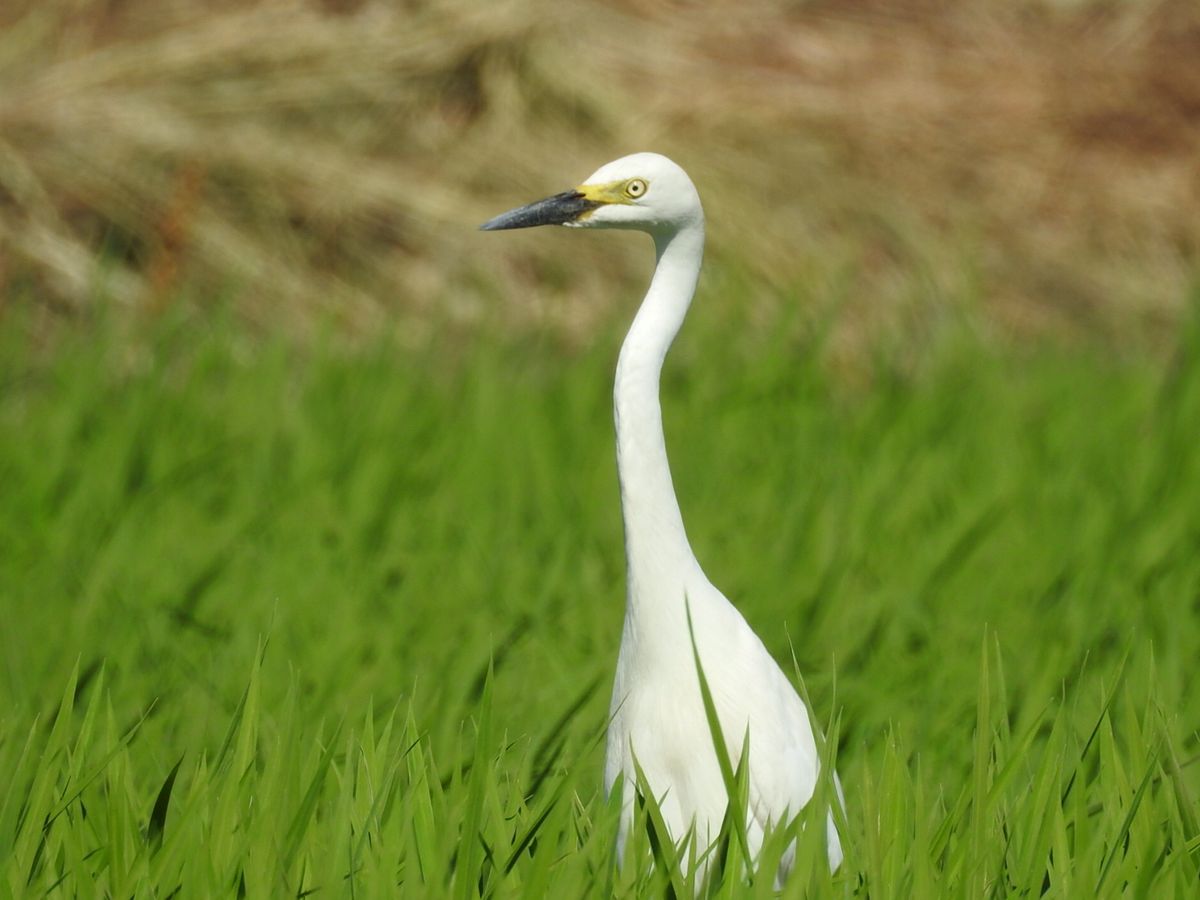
[318,162]
[311,567]
[989,572]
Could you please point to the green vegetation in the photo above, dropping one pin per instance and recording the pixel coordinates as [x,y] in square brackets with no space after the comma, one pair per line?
[315,623]
[285,618]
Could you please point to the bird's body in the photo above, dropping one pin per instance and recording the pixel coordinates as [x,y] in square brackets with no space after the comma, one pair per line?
[657,713]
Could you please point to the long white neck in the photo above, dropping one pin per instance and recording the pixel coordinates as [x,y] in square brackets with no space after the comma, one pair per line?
[656,546]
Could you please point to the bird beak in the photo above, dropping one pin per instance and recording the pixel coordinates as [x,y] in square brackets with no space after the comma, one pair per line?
[561,209]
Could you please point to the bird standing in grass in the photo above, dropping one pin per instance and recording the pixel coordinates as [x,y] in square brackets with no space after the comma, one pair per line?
[658,716]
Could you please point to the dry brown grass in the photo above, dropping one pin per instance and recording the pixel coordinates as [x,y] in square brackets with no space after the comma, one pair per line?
[328,161]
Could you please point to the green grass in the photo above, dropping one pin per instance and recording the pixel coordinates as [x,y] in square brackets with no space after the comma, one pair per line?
[343,624]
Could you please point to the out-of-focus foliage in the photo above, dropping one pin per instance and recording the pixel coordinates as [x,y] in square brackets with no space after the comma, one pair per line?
[988,574]
[329,161]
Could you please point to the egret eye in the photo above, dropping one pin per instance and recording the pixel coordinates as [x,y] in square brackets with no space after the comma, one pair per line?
[635,188]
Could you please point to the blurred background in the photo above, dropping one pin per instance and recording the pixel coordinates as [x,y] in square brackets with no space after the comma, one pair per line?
[887,164]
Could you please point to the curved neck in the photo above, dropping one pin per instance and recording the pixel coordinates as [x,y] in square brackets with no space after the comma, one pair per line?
[656,545]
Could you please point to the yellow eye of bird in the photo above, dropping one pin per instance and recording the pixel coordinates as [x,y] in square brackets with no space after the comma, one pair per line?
[635,188]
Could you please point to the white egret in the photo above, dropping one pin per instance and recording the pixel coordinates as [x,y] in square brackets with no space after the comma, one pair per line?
[657,711]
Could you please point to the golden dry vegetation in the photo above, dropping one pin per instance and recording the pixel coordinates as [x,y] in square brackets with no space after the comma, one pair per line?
[327,162]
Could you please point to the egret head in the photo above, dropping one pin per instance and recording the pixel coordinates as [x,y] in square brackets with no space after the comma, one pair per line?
[643,191]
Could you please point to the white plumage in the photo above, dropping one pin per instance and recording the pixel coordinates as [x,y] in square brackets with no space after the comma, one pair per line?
[657,712]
